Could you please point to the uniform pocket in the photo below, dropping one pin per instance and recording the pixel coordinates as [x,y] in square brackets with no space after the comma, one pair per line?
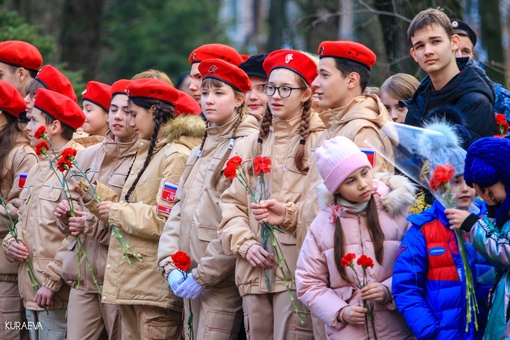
[160,323]
[50,193]
[222,325]
[206,233]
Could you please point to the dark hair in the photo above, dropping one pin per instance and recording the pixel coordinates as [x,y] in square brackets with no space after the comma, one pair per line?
[304,129]
[67,132]
[33,73]
[346,67]
[8,138]
[163,113]
[240,111]
[428,18]
[181,79]
[374,229]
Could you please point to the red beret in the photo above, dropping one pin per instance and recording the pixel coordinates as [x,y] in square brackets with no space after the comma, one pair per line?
[225,72]
[98,93]
[293,60]
[11,101]
[350,50]
[152,88]
[56,81]
[20,53]
[215,51]
[119,87]
[186,104]
[59,107]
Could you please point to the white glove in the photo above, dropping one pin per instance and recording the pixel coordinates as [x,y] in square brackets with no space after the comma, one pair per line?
[190,289]
[175,279]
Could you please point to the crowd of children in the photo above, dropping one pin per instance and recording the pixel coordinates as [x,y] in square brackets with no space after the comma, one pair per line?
[261,201]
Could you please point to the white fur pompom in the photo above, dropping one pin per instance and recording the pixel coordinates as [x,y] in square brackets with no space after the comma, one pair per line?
[442,137]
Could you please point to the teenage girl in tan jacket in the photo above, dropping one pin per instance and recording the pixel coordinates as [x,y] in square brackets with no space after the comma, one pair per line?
[192,225]
[288,129]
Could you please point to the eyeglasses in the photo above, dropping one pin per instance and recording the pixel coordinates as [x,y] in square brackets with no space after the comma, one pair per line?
[283,91]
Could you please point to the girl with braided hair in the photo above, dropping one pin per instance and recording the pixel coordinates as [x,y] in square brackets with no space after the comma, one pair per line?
[287,131]
[166,137]
[16,160]
[192,225]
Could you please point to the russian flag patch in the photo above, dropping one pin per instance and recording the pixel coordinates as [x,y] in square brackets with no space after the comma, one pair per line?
[168,193]
[22,179]
[370,154]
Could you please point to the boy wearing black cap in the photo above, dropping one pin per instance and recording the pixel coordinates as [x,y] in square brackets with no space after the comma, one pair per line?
[449,81]
[467,42]
[37,229]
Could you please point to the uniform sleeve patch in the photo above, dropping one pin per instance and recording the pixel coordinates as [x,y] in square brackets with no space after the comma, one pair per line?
[400,250]
[22,179]
[164,209]
[168,193]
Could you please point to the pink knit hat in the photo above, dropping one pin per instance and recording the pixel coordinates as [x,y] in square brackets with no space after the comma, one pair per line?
[337,158]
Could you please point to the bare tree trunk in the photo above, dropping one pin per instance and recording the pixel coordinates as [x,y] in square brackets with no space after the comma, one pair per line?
[491,32]
[80,37]
[277,24]
[346,26]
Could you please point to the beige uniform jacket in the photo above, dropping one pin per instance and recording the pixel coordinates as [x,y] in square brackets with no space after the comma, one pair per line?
[18,163]
[37,228]
[192,226]
[141,221]
[108,163]
[360,120]
[239,230]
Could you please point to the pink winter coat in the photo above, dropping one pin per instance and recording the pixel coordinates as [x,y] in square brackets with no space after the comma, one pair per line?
[319,284]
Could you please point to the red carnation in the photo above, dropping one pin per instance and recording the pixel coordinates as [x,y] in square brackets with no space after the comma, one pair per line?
[346,260]
[502,124]
[69,153]
[230,172]
[365,261]
[64,164]
[235,161]
[182,261]
[42,148]
[442,174]
[500,119]
[261,164]
[40,133]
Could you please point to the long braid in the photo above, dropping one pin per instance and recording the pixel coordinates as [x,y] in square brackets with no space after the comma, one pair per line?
[162,114]
[219,167]
[304,132]
[199,152]
[266,123]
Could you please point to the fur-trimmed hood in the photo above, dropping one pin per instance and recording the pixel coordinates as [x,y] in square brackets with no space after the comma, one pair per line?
[183,125]
[396,193]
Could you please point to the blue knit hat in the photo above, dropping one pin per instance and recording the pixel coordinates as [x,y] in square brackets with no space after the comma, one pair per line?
[487,163]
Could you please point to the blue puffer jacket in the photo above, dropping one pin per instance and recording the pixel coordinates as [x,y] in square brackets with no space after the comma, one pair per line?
[471,92]
[426,277]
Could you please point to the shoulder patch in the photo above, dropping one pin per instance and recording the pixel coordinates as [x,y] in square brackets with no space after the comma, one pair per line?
[400,251]
[22,179]
[168,192]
